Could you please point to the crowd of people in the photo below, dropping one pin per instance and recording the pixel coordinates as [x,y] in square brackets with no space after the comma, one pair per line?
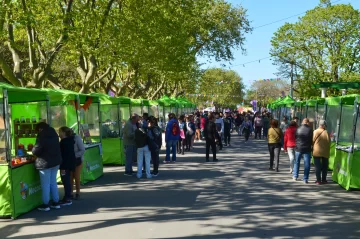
[143,139]
[53,155]
[300,141]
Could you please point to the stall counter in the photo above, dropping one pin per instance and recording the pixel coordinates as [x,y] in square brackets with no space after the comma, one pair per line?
[347,169]
[20,189]
[113,151]
[332,155]
[92,164]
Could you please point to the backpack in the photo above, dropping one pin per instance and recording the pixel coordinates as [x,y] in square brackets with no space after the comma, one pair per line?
[175,129]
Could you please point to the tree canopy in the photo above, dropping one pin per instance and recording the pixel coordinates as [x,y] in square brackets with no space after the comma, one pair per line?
[224,88]
[135,48]
[323,46]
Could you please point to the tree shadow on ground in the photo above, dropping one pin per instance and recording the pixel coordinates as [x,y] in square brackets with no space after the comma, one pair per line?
[234,198]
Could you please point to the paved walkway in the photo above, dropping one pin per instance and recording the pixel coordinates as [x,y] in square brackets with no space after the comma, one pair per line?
[234,198]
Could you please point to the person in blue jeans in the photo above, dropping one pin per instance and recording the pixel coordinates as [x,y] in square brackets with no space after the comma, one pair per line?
[172,136]
[47,151]
[304,138]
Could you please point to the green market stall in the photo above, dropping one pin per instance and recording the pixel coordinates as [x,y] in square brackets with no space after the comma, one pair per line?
[112,145]
[81,113]
[314,110]
[154,108]
[180,106]
[286,107]
[332,117]
[136,106]
[22,109]
[167,106]
[90,129]
[125,111]
[347,157]
[145,106]
[300,107]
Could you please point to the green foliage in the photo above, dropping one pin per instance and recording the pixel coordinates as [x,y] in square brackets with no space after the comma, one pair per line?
[223,87]
[135,48]
[322,46]
[267,91]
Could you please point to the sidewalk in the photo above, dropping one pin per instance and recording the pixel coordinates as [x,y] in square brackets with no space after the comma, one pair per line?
[236,197]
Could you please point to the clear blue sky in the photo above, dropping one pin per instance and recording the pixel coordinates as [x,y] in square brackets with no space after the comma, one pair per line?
[261,12]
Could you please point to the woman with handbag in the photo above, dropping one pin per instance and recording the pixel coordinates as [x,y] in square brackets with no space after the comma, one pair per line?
[274,143]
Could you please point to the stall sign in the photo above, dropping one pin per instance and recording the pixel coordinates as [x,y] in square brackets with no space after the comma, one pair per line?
[26,189]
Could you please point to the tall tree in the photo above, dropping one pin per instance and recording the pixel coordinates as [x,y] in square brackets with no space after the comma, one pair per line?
[323,46]
[222,87]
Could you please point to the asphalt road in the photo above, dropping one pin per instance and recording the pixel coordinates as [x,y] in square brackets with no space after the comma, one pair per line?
[236,197]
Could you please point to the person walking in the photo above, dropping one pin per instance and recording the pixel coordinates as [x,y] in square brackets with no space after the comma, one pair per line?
[290,143]
[258,123]
[172,136]
[211,136]
[219,122]
[266,125]
[129,143]
[238,122]
[198,127]
[274,143]
[202,125]
[227,128]
[155,135]
[68,163]
[283,126]
[190,131]
[79,148]
[304,140]
[321,152]
[182,141]
[48,153]
[246,128]
[143,152]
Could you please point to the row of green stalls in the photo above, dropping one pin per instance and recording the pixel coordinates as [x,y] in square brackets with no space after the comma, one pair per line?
[116,111]
[21,110]
[341,114]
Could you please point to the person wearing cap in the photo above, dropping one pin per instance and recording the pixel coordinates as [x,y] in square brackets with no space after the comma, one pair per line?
[321,152]
[304,139]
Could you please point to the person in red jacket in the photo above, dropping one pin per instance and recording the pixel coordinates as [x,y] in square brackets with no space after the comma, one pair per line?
[290,143]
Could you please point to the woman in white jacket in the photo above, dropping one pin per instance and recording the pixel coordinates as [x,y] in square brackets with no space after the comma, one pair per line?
[79,154]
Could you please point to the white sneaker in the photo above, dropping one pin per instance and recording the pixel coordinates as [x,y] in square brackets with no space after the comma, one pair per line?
[294,179]
[291,170]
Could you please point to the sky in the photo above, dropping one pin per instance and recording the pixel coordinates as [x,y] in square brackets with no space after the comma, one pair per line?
[258,45]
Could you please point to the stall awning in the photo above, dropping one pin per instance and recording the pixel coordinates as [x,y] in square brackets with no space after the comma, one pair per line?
[23,95]
[106,99]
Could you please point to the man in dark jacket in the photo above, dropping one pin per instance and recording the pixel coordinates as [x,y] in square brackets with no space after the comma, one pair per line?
[47,151]
[304,137]
[227,128]
[211,136]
